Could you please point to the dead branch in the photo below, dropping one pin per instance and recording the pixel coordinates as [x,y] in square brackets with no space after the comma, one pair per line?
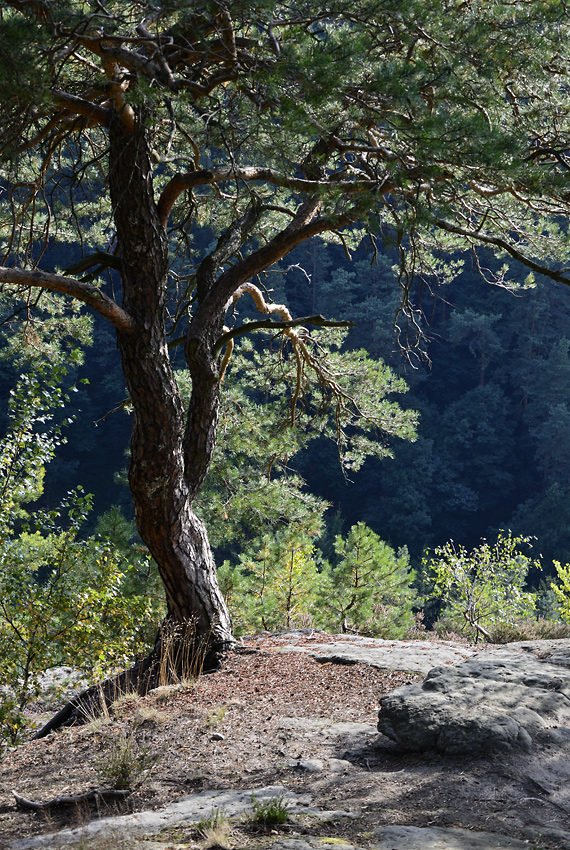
[318,321]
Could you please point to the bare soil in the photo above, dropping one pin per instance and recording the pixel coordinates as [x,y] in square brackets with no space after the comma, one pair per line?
[225,730]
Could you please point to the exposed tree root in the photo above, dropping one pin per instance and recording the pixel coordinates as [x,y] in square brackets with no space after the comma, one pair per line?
[77,799]
[178,655]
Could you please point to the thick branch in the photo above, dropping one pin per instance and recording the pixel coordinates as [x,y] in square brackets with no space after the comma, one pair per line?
[317,320]
[486,239]
[101,259]
[94,113]
[227,246]
[90,295]
[266,256]
[181,182]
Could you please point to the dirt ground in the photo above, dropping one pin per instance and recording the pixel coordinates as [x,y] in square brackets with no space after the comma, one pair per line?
[229,730]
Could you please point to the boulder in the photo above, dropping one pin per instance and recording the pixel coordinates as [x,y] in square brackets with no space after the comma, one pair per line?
[497,700]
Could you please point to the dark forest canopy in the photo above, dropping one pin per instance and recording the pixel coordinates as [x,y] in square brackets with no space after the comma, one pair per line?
[125,124]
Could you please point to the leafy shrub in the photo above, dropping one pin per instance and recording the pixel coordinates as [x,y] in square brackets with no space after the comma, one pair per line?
[562,590]
[485,586]
[63,600]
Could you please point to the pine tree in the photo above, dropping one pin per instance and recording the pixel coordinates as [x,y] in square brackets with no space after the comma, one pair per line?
[123,124]
[369,589]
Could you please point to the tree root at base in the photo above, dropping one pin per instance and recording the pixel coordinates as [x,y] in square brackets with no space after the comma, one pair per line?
[158,668]
[96,794]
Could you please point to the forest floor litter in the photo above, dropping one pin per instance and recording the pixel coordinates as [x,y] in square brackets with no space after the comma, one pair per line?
[289,717]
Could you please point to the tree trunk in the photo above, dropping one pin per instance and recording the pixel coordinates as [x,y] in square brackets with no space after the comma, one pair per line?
[169,460]
[163,483]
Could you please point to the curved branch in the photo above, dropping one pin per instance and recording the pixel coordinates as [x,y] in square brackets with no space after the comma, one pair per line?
[486,239]
[94,113]
[90,295]
[228,244]
[317,320]
[181,182]
[300,230]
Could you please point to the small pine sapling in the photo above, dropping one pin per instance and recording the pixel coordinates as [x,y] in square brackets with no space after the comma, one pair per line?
[369,588]
[281,581]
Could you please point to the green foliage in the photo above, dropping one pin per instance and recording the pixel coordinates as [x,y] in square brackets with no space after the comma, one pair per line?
[280,582]
[63,599]
[66,601]
[269,812]
[252,487]
[485,586]
[368,589]
[141,578]
[424,137]
[30,442]
[286,583]
[561,589]
[58,334]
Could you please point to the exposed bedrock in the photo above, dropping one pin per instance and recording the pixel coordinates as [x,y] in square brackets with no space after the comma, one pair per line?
[498,700]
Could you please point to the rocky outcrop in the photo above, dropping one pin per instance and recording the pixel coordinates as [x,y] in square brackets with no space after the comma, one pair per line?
[498,700]
[411,655]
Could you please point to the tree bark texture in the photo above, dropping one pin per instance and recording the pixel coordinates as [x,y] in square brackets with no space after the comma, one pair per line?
[163,481]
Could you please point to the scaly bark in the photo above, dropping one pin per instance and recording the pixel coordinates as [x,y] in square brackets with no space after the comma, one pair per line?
[163,485]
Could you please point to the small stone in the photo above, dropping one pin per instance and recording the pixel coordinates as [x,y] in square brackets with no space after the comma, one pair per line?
[309,765]
[339,765]
[217,736]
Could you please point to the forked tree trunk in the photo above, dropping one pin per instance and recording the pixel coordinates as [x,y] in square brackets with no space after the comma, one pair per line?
[162,482]
[169,458]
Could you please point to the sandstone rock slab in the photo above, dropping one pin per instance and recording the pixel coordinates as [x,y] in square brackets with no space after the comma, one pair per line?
[440,838]
[412,838]
[500,700]
[186,810]
[411,655]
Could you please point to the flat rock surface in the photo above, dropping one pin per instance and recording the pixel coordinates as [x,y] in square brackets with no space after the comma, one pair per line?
[186,810]
[414,838]
[415,655]
[282,724]
[436,838]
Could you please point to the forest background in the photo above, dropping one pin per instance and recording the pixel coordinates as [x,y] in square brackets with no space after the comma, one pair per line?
[493,439]
[492,449]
